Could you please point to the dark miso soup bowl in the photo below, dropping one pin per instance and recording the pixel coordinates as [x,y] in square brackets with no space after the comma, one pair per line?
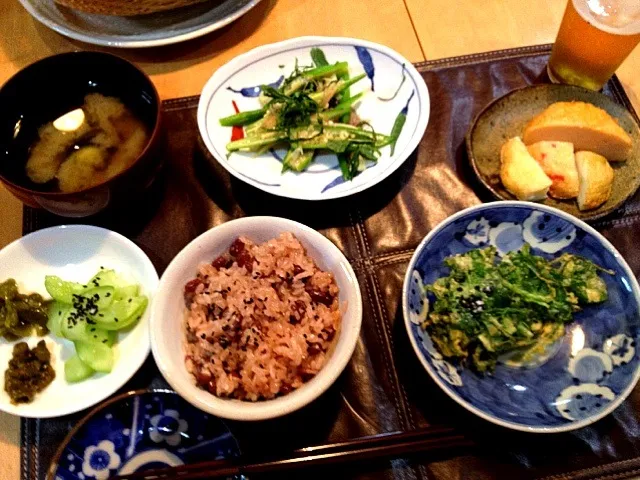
[52,87]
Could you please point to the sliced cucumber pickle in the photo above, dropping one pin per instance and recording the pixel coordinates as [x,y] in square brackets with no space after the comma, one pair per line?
[73,326]
[75,370]
[57,313]
[122,314]
[96,355]
[90,316]
[94,300]
[61,290]
[106,278]
[126,292]
[100,335]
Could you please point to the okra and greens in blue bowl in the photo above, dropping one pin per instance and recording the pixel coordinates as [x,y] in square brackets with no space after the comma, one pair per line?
[524,315]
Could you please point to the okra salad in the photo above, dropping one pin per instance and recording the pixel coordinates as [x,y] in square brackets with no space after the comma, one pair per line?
[313,110]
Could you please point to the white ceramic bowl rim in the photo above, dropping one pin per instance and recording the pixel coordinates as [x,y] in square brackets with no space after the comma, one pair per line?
[142,349]
[265,409]
[513,425]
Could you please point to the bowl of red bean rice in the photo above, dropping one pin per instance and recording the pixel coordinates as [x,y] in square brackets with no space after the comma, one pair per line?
[255,318]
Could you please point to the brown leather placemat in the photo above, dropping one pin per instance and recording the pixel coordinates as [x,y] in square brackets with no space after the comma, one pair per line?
[384,388]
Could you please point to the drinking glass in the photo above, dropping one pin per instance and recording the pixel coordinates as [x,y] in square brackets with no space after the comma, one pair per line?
[594,39]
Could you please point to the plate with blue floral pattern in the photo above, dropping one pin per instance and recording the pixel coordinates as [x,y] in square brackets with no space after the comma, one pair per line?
[139,431]
[395,97]
[585,375]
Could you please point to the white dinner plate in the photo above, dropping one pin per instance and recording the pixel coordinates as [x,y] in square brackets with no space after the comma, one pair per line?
[76,253]
[240,78]
[140,31]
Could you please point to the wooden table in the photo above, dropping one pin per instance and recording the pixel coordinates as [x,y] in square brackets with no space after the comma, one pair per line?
[418,29]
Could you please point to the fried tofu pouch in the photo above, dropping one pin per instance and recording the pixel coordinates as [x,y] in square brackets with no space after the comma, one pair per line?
[82,169]
[559,164]
[47,155]
[520,173]
[596,180]
[583,124]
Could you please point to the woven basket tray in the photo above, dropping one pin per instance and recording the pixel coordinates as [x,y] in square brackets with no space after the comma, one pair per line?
[126,7]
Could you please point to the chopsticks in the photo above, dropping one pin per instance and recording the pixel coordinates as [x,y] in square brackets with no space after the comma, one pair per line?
[389,445]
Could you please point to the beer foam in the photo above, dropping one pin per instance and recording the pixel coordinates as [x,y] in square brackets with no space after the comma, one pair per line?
[619,17]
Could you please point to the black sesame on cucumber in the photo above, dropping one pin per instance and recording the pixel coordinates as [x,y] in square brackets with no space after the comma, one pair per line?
[90,316]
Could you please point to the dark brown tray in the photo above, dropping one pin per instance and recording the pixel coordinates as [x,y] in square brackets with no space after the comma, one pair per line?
[384,388]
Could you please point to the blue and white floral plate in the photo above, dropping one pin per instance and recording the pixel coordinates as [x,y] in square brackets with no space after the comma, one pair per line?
[139,431]
[585,375]
[392,86]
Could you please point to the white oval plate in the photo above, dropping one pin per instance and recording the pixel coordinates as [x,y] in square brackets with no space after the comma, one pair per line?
[76,252]
[266,64]
[142,31]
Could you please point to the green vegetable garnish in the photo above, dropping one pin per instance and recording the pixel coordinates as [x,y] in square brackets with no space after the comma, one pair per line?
[398,125]
[317,55]
[243,118]
[488,306]
[294,110]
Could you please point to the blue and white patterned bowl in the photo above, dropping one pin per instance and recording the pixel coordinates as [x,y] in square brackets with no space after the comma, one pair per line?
[138,431]
[585,375]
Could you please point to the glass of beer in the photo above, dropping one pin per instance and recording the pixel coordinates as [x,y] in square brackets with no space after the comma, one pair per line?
[594,39]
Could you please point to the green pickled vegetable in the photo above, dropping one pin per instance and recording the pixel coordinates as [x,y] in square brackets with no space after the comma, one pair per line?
[8,289]
[57,312]
[90,316]
[62,290]
[97,356]
[21,314]
[29,372]
[126,292]
[75,370]
[122,313]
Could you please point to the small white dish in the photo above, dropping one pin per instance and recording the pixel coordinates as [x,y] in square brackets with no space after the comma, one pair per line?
[385,70]
[143,31]
[168,313]
[76,253]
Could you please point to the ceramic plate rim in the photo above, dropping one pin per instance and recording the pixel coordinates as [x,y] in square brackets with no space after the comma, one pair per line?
[146,346]
[461,401]
[586,216]
[301,42]
[264,409]
[51,469]
[169,40]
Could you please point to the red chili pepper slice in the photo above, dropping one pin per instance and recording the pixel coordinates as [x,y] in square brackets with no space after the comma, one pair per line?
[237,133]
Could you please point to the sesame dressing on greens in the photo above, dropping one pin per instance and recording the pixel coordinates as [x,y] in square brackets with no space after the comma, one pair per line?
[313,110]
[490,305]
